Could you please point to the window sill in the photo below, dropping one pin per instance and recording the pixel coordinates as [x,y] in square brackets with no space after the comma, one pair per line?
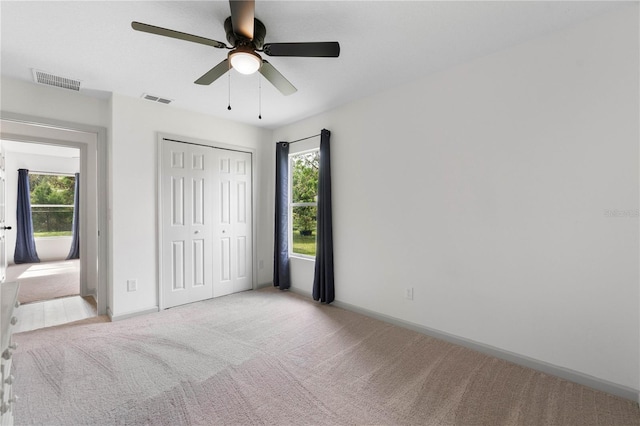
[59,237]
[302,257]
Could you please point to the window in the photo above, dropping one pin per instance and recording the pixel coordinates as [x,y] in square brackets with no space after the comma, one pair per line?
[51,204]
[303,201]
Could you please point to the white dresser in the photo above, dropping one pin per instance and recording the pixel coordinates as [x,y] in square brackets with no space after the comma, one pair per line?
[9,302]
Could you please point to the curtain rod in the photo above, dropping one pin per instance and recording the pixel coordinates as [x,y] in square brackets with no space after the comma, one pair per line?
[39,172]
[304,139]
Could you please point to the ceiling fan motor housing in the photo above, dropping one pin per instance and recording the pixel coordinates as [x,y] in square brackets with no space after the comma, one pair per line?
[259,33]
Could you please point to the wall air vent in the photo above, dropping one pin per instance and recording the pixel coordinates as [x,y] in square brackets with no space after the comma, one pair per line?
[49,79]
[156,99]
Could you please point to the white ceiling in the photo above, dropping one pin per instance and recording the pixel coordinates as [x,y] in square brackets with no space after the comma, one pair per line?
[383,44]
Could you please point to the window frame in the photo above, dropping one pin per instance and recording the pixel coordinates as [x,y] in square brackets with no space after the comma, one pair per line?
[72,206]
[291,204]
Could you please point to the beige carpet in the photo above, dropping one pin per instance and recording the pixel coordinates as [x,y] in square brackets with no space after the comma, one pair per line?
[270,357]
[46,280]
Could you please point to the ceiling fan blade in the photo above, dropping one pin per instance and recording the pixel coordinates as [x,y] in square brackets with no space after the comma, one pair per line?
[214,73]
[242,16]
[328,49]
[277,79]
[139,26]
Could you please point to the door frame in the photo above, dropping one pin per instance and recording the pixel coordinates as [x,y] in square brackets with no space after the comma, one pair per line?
[3,220]
[27,128]
[160,136]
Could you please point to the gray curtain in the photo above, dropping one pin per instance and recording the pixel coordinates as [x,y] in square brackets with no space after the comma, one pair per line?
[25,251]
[74,252]
[323,288]
[281,238]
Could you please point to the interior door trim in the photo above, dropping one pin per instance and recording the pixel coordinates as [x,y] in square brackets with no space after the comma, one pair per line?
[103,284]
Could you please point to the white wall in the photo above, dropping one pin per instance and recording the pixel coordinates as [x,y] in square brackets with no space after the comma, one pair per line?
[22,97]
[486,187]
[47,248]
[135,125]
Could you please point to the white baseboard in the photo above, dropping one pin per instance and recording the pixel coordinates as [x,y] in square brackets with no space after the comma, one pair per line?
[131,314]
[545,367]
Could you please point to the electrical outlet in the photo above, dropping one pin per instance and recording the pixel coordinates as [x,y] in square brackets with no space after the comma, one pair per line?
[132,285]
[261,264]
[408,293]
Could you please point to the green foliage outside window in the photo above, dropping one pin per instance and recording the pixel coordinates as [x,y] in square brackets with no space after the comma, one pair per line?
[51,204]
[304,193]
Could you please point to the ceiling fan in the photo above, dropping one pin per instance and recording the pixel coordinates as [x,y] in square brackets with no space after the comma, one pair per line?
[246,35]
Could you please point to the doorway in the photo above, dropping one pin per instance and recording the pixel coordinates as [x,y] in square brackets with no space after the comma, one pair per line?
[50,289]
[52,177]
[206,222]
[90,141]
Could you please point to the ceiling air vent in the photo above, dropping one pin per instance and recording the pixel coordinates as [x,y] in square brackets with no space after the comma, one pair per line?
[156,99]
[49,79]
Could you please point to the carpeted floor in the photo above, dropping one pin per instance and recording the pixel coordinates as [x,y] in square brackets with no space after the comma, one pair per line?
[46,280]
[271,357]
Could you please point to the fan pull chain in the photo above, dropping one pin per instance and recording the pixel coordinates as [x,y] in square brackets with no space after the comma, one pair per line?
[229,94]
[259,98]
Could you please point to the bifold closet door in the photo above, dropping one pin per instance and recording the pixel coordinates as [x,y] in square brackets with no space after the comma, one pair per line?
[206,217]
[233,223]
[187,226]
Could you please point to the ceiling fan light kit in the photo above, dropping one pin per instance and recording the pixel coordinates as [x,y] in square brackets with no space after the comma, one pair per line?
[246,35]
[245,60]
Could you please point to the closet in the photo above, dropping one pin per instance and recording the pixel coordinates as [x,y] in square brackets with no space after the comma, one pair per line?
[205,216]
